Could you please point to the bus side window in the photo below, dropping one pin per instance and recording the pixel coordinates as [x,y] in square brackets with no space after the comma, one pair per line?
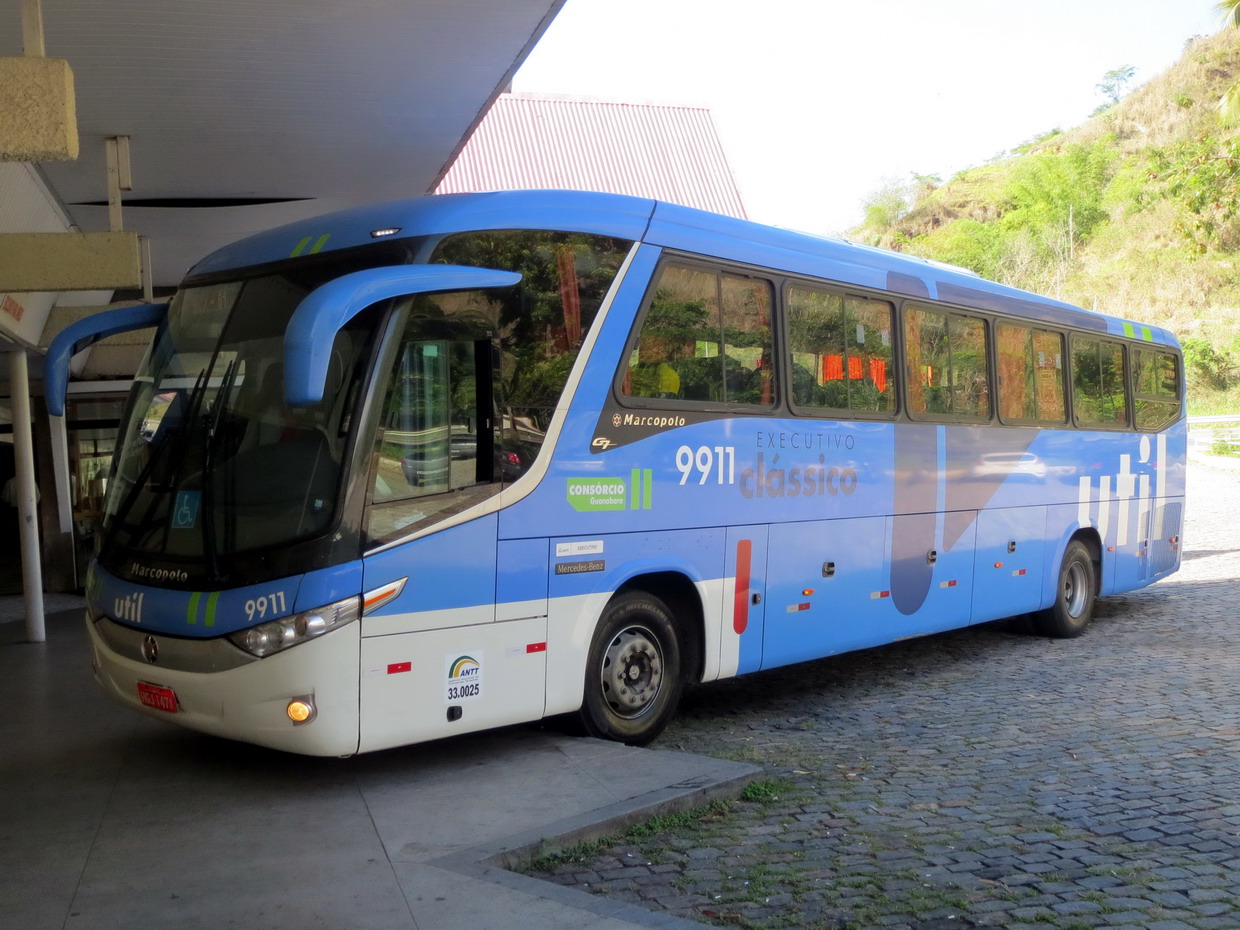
[1031,388]
[841,351]
[681,326]
[1098,397]
[1156,388]
[748,356]
[946,366]
[704,337]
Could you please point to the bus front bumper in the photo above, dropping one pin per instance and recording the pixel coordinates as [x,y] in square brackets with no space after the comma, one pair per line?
[248,702]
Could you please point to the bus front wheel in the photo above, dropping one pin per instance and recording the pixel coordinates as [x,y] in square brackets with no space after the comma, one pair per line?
[633,677]
[1074,596]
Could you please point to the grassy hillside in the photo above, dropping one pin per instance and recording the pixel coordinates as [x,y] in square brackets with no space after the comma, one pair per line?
[1136,213]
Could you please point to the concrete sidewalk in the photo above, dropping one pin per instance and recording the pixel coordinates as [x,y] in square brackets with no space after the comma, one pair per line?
[108,819]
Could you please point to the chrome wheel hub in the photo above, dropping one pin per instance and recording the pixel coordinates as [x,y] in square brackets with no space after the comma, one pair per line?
[632,671]
[1074,589]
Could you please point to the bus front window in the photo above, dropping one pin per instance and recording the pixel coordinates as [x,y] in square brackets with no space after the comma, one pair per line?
[212,464]
[477,375]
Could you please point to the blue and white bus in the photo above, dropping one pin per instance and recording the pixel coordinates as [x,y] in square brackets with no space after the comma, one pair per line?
[457,462]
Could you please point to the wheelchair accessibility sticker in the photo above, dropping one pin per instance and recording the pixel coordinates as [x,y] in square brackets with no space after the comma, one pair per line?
[185,513]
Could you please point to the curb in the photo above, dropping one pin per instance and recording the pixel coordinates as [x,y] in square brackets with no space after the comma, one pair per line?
[494,861]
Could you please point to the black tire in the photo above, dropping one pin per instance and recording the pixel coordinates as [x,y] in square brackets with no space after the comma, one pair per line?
[1074,595]
[633,671]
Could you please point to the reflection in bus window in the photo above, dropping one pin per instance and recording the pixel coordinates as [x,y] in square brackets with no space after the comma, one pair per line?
[1031,387]
[1098,383]
[478,374]
[705,337]
[841,351]
[1156,388]
[946,365]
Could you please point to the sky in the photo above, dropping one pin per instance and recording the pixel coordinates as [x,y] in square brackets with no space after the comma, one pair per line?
[819,103]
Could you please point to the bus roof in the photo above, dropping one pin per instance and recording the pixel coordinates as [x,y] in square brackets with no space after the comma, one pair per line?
[668,226]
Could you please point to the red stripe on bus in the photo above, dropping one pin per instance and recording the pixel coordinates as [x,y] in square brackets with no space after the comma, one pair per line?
[397,667]
[740,608]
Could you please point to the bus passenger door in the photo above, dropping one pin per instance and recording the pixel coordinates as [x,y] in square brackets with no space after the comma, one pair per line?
[744,600]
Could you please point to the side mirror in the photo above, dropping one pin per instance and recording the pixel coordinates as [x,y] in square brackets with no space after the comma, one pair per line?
[86,332]
[325,310]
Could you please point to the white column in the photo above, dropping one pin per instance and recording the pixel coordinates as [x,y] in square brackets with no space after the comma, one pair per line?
[23,456]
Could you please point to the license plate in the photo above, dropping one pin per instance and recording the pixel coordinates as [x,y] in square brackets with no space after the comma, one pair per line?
[157,696]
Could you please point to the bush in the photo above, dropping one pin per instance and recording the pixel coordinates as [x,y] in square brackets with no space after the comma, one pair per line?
[1203,175]
[1215,368]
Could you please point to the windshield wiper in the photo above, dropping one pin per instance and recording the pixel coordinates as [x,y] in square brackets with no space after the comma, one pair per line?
[165,441]
[208,476]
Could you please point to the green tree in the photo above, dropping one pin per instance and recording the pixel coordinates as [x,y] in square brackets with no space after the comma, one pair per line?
[1229,105]
[1060,189]
[1203,175]
[1231,12]
[1114,81]
[886,207]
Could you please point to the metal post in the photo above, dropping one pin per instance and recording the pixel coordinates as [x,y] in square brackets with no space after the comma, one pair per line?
[113,156]
[59,438]
[32,29]
[23,456]
[148,276]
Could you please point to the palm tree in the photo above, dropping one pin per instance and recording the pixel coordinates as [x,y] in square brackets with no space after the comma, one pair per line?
[1231,11]
[1229,106]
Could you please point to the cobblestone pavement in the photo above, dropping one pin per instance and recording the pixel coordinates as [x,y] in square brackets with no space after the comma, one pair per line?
[982,778]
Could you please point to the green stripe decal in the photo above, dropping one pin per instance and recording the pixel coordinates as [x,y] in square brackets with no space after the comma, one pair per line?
[301,247]
[211,602]
[641,484]
[322,241]
[1128,331]
[191,615]
[1146,334]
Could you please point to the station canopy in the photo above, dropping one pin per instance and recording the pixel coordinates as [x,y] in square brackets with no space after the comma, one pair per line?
[246,114]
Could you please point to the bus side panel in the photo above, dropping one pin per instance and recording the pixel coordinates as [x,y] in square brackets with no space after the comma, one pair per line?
[948,595]
[581,584]
[1164,553]
[521,579]
[437,683]
[825,591]
[451,580]
[747,592]
[1007,578]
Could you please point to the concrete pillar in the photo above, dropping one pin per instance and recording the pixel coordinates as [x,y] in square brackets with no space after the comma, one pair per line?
[27,503]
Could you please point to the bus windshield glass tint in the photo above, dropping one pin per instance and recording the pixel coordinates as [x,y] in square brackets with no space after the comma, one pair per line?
[210,459]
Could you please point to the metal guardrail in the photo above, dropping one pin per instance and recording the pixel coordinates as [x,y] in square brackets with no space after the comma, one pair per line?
[1204,432]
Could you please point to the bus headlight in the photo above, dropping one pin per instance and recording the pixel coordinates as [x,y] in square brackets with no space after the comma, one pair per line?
[275,635]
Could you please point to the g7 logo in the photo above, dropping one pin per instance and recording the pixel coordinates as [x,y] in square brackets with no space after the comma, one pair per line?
[601,443]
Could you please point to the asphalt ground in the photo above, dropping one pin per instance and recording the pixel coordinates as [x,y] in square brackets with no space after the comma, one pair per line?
[982,778]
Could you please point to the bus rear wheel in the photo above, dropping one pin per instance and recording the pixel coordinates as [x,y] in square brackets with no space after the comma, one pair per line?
[1074,596]
[633,671]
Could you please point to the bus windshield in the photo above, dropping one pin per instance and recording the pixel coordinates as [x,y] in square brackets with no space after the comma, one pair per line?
[213,467]
[210,461]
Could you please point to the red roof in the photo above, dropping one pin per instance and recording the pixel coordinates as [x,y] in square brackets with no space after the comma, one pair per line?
[530,141]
